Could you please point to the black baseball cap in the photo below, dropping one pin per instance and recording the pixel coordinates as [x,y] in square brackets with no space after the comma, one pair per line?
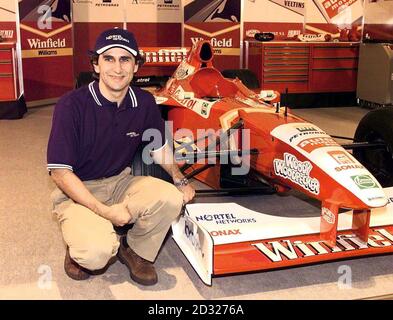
[116,38]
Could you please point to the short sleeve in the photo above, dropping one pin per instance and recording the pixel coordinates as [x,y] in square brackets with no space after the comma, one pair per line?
[63,139]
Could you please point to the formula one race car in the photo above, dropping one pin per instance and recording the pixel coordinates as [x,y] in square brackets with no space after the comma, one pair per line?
[229,137]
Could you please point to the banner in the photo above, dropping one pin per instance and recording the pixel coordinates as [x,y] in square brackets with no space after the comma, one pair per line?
[156,11]
[287,19]
[219,22]
[46,42]
[100,11]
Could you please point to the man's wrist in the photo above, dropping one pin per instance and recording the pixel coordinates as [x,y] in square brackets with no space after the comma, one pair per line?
[180,182]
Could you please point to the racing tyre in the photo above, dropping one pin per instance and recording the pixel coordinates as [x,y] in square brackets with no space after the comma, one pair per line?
[139,168]
[377,126]
[247,77]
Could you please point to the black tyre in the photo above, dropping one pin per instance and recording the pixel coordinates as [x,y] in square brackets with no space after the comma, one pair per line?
[377,126]
[140,168]
[247,77]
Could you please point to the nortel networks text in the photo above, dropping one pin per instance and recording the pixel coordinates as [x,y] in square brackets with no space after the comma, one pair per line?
[224,218]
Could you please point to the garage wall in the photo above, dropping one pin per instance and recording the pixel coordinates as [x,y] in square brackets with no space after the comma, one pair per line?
[155,23]
[378,20]
[287,19]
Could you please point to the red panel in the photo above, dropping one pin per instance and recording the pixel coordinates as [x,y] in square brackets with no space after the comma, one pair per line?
[46,78]
[259,254]
[6,68]
[333,80]
[5,54]
[335,63]
[335,51]
[7,91]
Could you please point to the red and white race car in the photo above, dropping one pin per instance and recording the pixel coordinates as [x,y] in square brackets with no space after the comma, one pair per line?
[229,137]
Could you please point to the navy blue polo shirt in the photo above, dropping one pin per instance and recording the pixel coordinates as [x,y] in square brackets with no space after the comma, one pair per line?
[94,137]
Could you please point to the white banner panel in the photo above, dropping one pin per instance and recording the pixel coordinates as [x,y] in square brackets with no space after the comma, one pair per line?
[99,10]
[8,10]
[154,11]
[315,11]
[273,11]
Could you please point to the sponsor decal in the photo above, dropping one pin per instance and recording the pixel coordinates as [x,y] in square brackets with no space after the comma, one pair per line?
[163,56]
[296,171]
[216,43]
[311,144]
[45,48]
[160,100]
[295,6]
[184,70]
[278,251]
[306,131]
[333,7]
[193,236]
[364,182]
[375,198]
[345,161]
[341,157]
[252,32]
[224,218]
[348,167]
[168,4]
[116,37]
[107,3]
[132,134]
[7,34]
[293,33]
[46,44]
[204,108]
[225,232]
[186,99]
[328,216]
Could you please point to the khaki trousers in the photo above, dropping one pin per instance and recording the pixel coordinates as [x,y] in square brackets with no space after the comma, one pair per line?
[91,239]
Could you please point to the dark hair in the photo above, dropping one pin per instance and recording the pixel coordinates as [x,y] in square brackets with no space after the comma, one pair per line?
[139,60]
[94,61]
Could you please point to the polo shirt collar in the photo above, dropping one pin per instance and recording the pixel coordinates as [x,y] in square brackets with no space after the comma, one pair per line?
[129,101]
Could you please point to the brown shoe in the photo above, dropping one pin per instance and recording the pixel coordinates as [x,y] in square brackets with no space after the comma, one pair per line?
[141,270]
[74,270]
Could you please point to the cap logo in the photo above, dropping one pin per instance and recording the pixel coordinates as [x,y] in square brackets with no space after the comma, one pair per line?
[116,37]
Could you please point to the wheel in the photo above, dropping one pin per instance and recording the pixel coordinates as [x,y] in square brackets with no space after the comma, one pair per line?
[247,77]
[83,79]
[377,126]
[140,168]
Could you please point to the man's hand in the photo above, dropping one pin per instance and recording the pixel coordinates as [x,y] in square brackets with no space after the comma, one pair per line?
[188,193]
[118,213]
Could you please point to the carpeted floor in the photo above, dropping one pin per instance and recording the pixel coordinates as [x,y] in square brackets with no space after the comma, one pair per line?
[32,251]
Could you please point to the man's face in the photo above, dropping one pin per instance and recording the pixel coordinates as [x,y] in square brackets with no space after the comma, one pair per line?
[116,68]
